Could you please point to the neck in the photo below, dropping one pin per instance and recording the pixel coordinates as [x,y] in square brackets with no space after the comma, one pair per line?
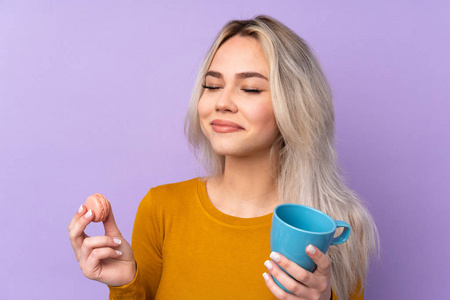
[245,189]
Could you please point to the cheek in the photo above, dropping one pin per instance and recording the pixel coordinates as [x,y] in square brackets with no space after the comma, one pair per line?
[202,108]
[264,116]
[203,113]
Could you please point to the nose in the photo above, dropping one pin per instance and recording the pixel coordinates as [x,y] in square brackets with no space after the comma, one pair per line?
[225,102]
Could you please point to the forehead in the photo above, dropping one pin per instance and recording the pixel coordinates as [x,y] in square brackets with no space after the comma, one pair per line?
[240,54]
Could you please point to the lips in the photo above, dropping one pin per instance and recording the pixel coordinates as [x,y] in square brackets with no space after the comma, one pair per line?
[225,126]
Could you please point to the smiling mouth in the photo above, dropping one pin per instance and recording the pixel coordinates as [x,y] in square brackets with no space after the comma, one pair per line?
[224,126]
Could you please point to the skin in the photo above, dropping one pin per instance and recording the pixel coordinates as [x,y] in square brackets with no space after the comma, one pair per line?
[245,101]
[97,256]
[245,189]
[306,285]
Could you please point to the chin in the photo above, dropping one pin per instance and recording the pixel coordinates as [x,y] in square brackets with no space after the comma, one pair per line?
[235,151]
[227,151]
[240,148]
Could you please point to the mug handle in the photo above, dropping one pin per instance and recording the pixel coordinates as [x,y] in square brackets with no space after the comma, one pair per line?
[344,235]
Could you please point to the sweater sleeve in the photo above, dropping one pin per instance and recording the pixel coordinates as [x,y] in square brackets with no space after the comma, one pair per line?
[132,291]
[147,242]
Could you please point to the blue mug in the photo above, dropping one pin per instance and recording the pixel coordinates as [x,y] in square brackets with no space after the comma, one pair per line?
[295,226]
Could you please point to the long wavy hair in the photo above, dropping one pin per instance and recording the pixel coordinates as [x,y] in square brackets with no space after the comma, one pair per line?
[303,156]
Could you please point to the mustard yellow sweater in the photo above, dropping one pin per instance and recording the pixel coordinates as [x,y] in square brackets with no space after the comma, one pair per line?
[185,248]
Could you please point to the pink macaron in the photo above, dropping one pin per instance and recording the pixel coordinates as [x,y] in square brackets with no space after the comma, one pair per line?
[99,205]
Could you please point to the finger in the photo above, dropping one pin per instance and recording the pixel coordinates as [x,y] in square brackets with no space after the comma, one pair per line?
[276,290]
[76,233]
[91,243]
[321,260]
[92,268]
[298,273]
[291,284]
[110,225]
[81,211]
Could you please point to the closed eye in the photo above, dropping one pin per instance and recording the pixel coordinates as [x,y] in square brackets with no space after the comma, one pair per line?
[256,91]
[210,87]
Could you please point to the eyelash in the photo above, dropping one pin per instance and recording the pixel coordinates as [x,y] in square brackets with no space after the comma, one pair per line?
[210,87]
[254,91]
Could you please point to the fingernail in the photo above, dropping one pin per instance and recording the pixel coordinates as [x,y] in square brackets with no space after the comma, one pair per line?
[117,241]
[119,252]
[266,276]
[80,209]
[88,214]
[268,264]
[311,250]
[275,256]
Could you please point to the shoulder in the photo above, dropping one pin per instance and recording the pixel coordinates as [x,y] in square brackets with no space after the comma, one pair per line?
[175,189]
[170,195]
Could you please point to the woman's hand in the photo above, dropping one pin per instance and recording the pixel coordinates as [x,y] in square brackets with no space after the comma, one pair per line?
[109,258]
[306,285]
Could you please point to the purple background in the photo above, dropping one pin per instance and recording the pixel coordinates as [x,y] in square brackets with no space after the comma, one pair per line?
[93,96]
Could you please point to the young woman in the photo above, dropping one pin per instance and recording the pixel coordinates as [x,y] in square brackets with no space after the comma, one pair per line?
[261,119]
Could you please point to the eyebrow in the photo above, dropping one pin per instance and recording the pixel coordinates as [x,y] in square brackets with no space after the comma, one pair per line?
[242,75]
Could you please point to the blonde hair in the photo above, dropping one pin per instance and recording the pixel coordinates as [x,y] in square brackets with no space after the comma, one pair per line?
[305,159]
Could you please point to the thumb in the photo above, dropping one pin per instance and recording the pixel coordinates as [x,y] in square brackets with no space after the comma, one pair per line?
[110,225]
